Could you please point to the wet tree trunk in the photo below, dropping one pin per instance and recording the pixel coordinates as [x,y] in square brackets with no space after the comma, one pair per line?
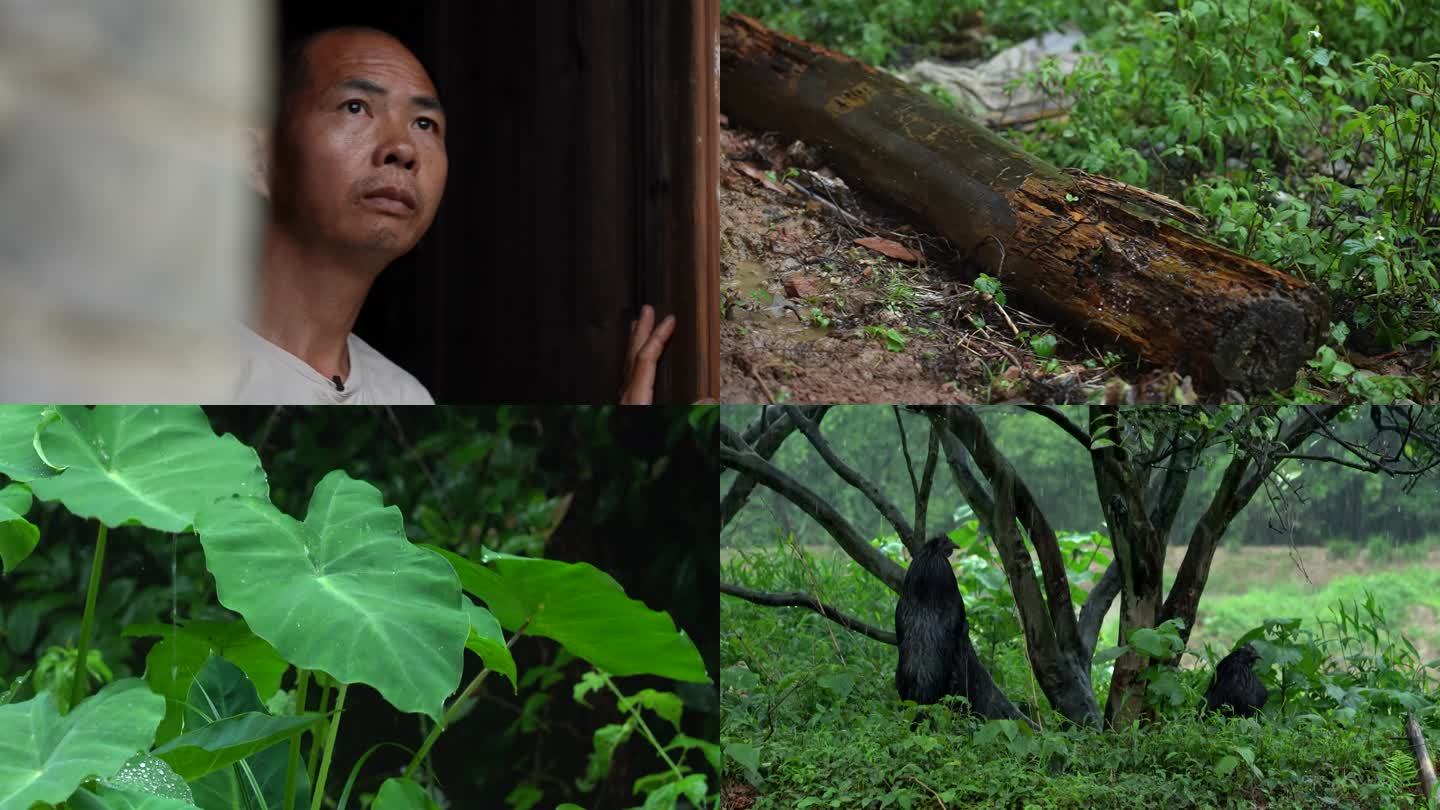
[1140,554]
[1047,615]
[1097,256]
[1422,756]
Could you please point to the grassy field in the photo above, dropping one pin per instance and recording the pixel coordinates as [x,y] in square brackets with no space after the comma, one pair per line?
[811,718]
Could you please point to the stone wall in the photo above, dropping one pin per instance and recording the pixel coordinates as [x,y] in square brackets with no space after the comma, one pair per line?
[127,233]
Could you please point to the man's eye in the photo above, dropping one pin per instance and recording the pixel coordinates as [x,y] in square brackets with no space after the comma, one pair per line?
[355,106]
[428,123]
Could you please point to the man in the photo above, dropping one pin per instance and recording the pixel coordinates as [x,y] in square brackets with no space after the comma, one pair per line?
[353,171]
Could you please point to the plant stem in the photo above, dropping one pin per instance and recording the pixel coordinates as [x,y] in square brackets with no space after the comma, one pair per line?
[318,788]
[77,689]
[455,706]
[302,684]
[644,729]
[324,726]
[439,727]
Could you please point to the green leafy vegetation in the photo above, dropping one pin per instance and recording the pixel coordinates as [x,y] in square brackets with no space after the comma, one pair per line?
[890,336]
[824,630]
[261,643]
[811,718]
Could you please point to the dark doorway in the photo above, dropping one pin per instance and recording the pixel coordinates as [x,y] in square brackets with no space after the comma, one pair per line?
[581,185]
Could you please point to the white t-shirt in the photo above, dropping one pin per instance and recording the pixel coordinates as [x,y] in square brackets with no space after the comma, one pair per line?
[269,375]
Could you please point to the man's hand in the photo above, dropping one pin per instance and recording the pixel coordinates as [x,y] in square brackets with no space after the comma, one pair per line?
[647,342]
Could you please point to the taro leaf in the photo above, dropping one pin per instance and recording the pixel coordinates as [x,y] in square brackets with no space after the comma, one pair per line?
[225,742]
[18,536]
[585,610]
[230,789]
[487,641]
[44,757]
[18,458]
[9,693]
[221,689]
[106,798]
[170,666]
[344,592]
[146,774]
[402,794]
[156,466]
[232,641]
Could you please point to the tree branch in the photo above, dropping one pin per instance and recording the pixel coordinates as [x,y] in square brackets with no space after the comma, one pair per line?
[851,476]
[1064,422]
[1236,488]
[1097,604]
[1362,466]
[970,487]
[909,464]
[745,460]
[1169,494]
[765,434]
[805,600]
[966,425]
[927,480]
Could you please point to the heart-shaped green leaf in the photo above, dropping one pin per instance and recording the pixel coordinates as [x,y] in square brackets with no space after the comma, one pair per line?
[170,667]
[235,642]
[107,798]
[156,466]
[18,458]
[18,536]
[344,592]
[487,641]
[585,610]
[402,794]
[44,757]
[227,741]
[232,641]
[220,690]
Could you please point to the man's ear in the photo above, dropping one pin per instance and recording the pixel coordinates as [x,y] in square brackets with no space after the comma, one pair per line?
[259,142]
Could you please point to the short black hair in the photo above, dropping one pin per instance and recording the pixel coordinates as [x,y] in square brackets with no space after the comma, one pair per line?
[295,63]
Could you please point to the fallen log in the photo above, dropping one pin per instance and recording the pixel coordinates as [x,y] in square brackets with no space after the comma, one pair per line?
[1093,254]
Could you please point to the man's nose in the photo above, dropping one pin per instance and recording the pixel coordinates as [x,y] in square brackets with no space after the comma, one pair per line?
[397,150]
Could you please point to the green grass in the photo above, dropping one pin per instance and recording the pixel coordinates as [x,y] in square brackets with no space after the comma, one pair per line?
[811,718]
[1256,583]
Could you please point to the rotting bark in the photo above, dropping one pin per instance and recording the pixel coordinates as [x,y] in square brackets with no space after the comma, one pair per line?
[1097,256]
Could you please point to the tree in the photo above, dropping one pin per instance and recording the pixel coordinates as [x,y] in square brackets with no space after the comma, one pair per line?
[1142,460]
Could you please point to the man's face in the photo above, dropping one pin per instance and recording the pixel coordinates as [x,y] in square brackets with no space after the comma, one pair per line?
[360,158]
